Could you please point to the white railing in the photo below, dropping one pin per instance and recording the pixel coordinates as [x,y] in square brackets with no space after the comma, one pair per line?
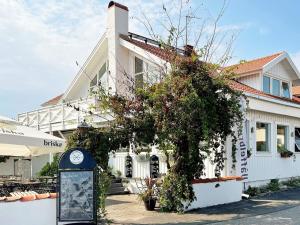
[60,117]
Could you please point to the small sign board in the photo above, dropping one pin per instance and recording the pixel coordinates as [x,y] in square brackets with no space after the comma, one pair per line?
[77,187]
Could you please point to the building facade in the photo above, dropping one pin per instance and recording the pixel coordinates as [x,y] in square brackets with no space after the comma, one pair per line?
[122,59]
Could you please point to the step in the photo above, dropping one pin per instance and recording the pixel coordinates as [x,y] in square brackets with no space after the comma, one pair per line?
[118,190]
[114,185]
[116,180]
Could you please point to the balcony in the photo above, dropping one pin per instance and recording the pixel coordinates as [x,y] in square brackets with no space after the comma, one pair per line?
[65,116]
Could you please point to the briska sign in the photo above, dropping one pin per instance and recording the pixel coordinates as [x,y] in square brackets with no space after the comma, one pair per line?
[52,143]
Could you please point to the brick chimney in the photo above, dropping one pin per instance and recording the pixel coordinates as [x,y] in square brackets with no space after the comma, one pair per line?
[188,50]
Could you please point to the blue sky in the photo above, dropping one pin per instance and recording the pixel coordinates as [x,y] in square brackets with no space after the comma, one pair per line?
[40,41]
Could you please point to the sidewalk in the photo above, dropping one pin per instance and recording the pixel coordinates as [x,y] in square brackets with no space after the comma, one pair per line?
[126,209]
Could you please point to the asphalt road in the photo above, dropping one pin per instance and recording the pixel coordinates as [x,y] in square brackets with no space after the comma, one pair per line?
[278,208]
[288,216]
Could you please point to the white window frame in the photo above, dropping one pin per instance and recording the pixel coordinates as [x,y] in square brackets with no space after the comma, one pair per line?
[146,64]
[294,149]
[288,146]
[280,85]
[97,74]
[263,153]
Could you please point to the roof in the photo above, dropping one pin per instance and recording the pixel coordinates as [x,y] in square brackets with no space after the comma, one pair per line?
[296,90]
[53,101]
[253,65]
[247,89]
[153,49]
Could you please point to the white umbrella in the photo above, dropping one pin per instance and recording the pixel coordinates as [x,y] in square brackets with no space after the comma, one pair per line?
[19,140]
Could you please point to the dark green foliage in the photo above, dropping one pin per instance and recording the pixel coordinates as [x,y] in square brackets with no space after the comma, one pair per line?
[293,182]
[252,191]
[190,112]
[3,159]
[50,169]
[104,184]
[175,190]
[273,185]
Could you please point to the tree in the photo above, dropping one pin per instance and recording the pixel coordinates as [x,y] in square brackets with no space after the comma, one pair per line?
[191,112]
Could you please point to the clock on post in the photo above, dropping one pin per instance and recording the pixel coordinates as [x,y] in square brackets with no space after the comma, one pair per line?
[76,157]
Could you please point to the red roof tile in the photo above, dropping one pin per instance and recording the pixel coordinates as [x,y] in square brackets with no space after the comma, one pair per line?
[253,65]
[53,101]
[296,90]
[155,50]
[245,88]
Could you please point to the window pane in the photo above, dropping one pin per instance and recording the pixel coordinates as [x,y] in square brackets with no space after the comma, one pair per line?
[262,137]
[297,139]
[139,73]
[103,76]
[266,84]
[281,137]
[276,87]
[94,81]
[138,65]
[139,81]
[285,90]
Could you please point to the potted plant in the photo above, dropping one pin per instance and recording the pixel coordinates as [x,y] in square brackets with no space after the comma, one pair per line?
[148,194]
[284,153]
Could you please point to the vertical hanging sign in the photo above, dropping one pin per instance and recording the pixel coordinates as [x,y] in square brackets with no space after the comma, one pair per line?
[242,145]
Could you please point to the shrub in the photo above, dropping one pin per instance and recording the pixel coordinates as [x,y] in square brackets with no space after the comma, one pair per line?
[252,191]
[293,182]
[273,185]
[50,169]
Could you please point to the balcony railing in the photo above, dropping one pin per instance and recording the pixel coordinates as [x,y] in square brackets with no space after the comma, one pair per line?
[65,116]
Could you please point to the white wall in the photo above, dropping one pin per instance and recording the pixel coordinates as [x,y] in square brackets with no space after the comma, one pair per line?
[253,80]
[38,212]
[265,166]
[282,70]
[142,169]
[208,194]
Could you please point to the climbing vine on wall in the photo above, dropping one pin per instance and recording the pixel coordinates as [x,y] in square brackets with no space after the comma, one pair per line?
[192,112]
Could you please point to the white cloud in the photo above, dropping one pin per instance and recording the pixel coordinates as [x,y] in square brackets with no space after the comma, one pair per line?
[41,40]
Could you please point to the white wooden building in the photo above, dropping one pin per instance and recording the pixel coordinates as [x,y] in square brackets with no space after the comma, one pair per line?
[273,116]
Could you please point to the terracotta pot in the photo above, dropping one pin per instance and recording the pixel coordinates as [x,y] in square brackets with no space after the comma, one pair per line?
[150,204]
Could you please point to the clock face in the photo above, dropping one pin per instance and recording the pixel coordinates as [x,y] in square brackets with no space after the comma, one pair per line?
[76,157]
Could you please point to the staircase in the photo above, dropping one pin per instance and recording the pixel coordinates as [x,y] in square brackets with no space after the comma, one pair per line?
[116,187]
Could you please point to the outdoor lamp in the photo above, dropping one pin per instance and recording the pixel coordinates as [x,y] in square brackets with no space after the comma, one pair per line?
[82,129]
[83,126]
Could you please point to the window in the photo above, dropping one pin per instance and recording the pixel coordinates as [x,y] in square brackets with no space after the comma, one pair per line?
[139,72]
[100,78]
[266,84]
[285,90]
[281,137]
[275,87]
[262,137]
[94,81]
[297,139]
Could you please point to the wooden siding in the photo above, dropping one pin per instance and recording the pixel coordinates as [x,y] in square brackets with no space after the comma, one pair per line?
[266,166]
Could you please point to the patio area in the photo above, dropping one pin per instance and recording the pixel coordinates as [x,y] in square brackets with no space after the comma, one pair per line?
[127,209]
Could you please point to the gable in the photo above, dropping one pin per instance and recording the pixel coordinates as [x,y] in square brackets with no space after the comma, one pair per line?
[282,68]
[79,88]
[283,71]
